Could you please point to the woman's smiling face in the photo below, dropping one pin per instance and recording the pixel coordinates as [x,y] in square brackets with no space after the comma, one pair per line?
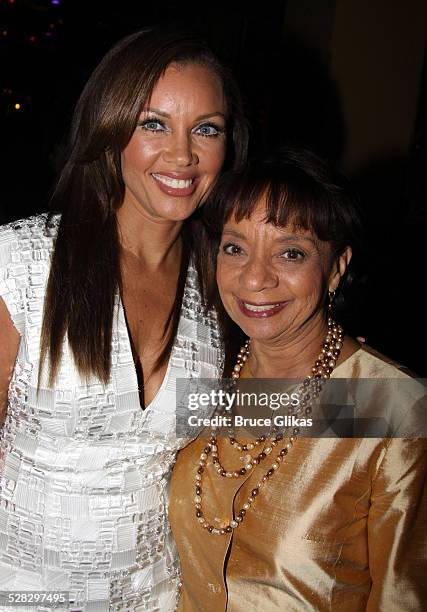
[178,148]
[273,281]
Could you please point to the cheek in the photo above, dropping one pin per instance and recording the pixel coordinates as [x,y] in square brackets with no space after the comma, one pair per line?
[223,279]
[305,284]
[137,155]
[220,277]
[213,158]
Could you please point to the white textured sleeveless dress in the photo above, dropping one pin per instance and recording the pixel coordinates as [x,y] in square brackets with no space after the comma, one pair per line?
[84,470]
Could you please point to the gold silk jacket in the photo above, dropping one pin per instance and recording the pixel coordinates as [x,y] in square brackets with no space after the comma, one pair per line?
[340,527]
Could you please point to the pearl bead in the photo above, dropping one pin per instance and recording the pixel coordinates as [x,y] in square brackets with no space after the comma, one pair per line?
[311,386]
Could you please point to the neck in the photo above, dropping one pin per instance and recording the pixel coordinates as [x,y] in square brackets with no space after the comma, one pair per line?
[290,358]
[154,242]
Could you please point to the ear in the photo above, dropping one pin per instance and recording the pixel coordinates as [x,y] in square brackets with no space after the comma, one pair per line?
[339,267]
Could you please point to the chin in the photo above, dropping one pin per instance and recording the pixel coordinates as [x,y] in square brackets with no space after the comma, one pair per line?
[177,212]
[265,338]
[257,333]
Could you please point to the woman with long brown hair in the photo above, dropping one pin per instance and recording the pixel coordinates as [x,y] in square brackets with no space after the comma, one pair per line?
[99,314]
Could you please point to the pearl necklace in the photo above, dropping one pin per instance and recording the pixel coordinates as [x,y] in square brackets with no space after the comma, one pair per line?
[309,388]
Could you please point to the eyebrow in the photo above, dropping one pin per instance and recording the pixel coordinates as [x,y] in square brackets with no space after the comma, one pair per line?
[281,240]
[199,118]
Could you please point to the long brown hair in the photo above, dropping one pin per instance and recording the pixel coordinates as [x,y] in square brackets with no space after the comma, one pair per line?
[85,271]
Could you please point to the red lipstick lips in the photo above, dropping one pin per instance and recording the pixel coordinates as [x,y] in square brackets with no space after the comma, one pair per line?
[260,311]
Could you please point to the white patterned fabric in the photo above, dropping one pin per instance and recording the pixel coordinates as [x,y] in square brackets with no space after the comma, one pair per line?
[84,470]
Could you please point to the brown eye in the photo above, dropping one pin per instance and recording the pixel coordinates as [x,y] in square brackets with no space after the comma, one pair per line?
[293,254]
[231,249]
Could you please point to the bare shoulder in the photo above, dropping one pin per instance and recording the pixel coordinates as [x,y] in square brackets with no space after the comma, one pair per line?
[9,345]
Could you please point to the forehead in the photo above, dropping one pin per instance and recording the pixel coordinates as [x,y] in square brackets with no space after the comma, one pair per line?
[189,85]
[257,223]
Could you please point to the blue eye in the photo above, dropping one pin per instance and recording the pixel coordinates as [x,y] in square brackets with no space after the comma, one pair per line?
[231,249]
[209,129]
[152,125]
[293,254]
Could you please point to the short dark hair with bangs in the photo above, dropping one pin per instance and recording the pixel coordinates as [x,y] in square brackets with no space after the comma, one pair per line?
[299,188]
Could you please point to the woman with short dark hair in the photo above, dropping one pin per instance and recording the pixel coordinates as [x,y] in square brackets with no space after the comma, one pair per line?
[286,520]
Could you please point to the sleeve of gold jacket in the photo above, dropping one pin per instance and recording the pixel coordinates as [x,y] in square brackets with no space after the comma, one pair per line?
[397,528]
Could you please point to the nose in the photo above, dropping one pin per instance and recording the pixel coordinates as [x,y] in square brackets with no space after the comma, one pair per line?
[258,274]
[179,149]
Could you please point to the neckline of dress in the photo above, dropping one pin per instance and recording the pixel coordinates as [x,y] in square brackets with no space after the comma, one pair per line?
[134,370]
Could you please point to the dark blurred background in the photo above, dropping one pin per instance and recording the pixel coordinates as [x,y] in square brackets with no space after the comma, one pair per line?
[346,78]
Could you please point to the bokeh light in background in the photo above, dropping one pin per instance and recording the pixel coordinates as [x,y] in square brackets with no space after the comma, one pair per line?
[48,48]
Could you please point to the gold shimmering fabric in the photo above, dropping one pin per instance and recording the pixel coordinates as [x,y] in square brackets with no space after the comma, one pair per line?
[340,526]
